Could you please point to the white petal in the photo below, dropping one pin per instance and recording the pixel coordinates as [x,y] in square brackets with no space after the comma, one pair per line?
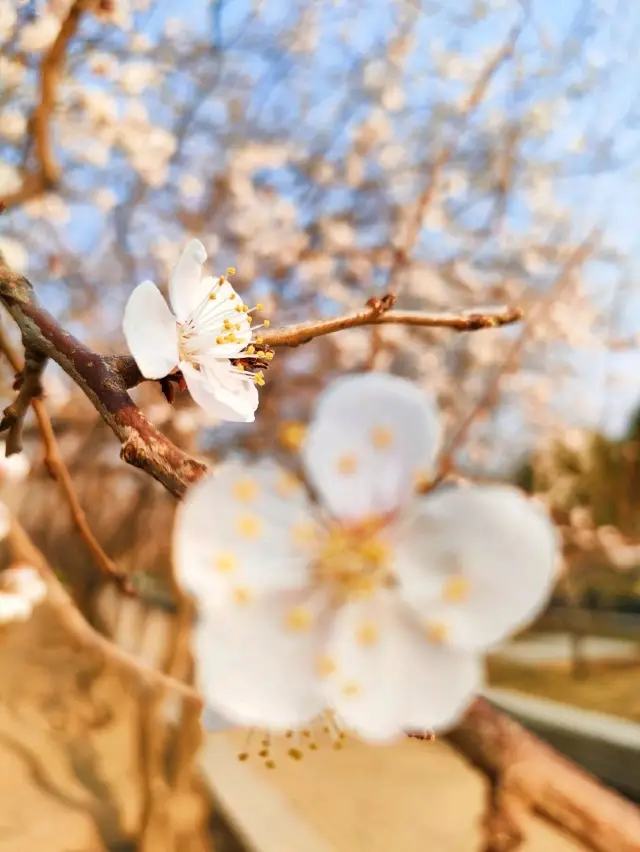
[255,671]
[242,528]
[223,393]
[25,581]
[503,547]
[150,331]
[388,678]
[214,722]
[185,291]
[14,608]
[371,435]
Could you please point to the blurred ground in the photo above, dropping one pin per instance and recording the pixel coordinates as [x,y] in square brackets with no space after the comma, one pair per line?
[557,647]
[407,798]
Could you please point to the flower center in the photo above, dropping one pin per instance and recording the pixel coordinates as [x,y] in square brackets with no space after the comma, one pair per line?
[353,562]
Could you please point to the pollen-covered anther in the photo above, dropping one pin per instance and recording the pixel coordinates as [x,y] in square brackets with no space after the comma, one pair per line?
[226,562]
[437,632]
[367,634]
[347,464]
[298,619]
[325,666]
[246,490]
[351,689]
[242,595]
[249,526]
[456,589]
[381,437]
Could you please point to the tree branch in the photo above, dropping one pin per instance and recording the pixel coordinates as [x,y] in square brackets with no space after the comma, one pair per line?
[546,782]
[58,470]
[295,335]
[48,173]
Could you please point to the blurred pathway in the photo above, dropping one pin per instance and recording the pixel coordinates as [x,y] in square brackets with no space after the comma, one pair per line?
[556,647]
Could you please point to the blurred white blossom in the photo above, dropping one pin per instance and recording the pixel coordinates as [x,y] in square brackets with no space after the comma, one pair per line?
[21,589]
[374,609]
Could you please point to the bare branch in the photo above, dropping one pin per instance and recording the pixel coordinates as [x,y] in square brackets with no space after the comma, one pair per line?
[58,470]
[29,383]
[294,335]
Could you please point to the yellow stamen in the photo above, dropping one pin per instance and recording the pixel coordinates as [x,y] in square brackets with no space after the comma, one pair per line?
[249,526]
[242,595]
[325,666]
[347,464]
[456,589]
[226,562]
[246,490]
[368,634]
[437,632]
[381,437]
[299,619]
[351,689]
[231,270]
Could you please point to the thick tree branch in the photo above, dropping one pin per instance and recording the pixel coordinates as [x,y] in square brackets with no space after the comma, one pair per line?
[546,782]
[58,470]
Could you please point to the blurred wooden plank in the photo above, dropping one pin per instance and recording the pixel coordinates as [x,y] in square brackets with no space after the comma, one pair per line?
[411,797]
[265,818]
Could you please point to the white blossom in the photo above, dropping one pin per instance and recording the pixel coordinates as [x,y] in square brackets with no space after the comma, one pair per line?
[14,253]
[206,327]
[40,34]
[21,589]
[374,609]
[14,125]
[13,468]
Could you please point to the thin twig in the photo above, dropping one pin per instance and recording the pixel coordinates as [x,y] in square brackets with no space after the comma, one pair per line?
[29,381]
[294,335]
[59,471]
[576,259]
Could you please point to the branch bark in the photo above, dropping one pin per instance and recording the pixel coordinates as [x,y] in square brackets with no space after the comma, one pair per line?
[546,782]
[58,469]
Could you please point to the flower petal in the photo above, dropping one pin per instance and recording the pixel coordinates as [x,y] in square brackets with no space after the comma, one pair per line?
[371,436]
[240,532]
[185,290]
[388,677]
[150,331]
[213,722]
[254,669]
[224,393]
[479,560]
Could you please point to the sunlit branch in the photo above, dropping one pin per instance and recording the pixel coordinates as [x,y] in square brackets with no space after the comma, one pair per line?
[295,335]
